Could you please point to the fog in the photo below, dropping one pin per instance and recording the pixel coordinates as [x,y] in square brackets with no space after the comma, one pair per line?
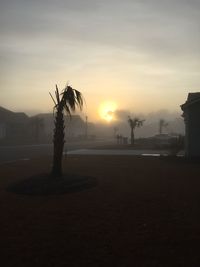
[76,126]
[25,136]
[150,126]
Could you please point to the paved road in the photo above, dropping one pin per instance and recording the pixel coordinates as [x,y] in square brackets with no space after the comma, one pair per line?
[117,152]
[12,153]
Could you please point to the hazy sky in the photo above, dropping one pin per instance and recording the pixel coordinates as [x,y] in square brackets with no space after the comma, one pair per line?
[142,54]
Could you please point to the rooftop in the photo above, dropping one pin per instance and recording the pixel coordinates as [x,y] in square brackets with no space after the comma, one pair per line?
[192,99]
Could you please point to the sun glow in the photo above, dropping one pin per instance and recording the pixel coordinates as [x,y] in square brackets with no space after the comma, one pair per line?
[106,111]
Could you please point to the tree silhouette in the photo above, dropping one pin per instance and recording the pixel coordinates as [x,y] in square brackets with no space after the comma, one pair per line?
[162,124]
[66,101]
[133,123]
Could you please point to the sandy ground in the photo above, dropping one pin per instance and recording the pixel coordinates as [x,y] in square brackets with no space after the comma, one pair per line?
[144,211]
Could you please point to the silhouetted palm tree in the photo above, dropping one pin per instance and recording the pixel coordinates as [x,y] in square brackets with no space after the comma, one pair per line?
[162,124]
[66,101]
[133,123]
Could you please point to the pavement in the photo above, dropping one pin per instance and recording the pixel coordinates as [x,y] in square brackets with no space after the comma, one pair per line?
[25,152]
[116,152]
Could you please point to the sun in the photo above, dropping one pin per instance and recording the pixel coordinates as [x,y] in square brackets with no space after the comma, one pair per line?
[107,111]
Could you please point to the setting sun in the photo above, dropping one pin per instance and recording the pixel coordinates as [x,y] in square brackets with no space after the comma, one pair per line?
[106,111]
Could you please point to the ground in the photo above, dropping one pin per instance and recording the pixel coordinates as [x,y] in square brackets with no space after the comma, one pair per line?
[143,211]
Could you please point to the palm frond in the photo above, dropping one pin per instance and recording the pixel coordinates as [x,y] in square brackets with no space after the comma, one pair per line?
[68,99]
[79,99]
[52,98]
[57,94]
[131,122]
[136,122]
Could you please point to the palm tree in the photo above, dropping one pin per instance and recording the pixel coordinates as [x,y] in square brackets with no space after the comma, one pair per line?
[162,124]
[66,101]
[133,123]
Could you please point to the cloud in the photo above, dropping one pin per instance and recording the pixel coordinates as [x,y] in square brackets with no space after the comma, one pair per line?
[122,115]
[165,29]
[152,45]
[114,22]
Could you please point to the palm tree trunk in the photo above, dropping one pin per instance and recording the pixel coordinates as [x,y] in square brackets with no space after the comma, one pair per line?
[132,136]
[58,142]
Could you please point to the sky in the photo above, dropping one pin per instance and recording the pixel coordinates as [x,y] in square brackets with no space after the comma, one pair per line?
[142,55]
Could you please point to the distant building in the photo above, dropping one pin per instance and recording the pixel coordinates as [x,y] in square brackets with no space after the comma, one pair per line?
[191,114]
[18,128]
[43,126]
[14,126]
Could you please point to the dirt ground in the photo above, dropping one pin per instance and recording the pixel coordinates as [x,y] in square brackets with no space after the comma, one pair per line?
[144,211]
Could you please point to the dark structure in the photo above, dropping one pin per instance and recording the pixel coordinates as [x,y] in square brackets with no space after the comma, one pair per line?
[191,114]
[14,126]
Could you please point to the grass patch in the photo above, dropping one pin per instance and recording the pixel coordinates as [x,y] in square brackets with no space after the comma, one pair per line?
[44,184]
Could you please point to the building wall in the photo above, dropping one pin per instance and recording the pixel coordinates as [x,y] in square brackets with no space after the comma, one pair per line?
[2,131]
[192,120]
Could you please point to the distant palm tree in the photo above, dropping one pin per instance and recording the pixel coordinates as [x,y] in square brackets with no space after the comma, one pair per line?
[162,124]
[133,123]
[66,101]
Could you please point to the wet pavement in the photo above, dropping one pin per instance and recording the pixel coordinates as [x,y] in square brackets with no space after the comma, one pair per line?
[116,152]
